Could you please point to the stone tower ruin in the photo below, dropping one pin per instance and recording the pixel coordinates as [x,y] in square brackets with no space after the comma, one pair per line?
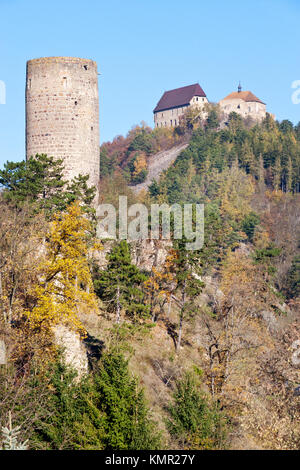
[62,113]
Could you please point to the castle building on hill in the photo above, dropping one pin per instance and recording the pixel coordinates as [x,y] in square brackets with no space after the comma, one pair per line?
[244,103]
[174,103]
[62,113]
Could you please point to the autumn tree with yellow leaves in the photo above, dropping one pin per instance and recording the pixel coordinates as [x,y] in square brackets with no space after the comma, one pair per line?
[20,242]
[138,168]
[65,288]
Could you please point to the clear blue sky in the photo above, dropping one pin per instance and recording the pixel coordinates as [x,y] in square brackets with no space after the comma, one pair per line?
[144,47]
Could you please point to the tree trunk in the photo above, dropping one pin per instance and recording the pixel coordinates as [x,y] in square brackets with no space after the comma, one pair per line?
[11,299]
[181,316]
[1,303]
[152,299]
[118,305]
[152,306]
[169,306]
[179,332]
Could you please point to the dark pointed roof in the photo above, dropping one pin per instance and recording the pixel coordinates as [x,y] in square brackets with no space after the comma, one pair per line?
[179,97]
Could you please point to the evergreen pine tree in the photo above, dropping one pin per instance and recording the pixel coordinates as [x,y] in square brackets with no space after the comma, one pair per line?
[184,264]
[10,437]
[293,279]
[127,423]
[277,174]
[39,181]
[289,175]
[119,284]
[194,421]
[261,171]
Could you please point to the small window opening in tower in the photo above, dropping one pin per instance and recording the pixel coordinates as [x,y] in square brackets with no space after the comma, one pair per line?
[29,84]
[85,67]
[65,82]
[92,128]
[76,102]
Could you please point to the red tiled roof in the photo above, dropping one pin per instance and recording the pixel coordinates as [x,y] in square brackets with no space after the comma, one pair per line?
[179,97]
[247,96]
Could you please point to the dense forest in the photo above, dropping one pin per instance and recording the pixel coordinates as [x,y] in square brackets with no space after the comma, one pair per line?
[184,349]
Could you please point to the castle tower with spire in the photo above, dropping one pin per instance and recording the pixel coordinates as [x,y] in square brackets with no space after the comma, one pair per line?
[244,103]
[62,113]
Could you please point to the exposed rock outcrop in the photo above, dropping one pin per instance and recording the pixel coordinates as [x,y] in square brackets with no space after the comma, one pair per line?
[3,358]
[74,351]
[157,164]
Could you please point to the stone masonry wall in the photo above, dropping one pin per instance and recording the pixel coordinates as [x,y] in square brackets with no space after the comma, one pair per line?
[171,117]
[255,110]
[62,113]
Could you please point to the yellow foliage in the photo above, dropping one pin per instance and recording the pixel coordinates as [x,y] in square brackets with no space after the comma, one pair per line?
[157,282]
[237,270]
[261,239]
[65,286]
[140,164]
[235,191]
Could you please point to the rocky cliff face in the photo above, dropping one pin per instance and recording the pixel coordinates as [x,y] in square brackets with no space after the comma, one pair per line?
[145,253]
[149,253]
[157,164]
[3,359]
[74,351]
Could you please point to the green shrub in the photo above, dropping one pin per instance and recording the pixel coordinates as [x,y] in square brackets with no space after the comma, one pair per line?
[105,410]
[293,279]
[249,224]
[195,421]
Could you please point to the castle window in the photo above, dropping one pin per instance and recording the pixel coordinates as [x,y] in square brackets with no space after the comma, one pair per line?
[171,122]
[85,67]
[75,103]
[175,123]
[29,84]
[65,82]
[238,106]
[92,128]
[197,98]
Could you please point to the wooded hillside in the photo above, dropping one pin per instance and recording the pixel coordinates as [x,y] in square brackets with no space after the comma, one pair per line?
[184,349]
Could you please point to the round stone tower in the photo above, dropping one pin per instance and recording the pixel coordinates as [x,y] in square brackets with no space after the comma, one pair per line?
[62,113]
